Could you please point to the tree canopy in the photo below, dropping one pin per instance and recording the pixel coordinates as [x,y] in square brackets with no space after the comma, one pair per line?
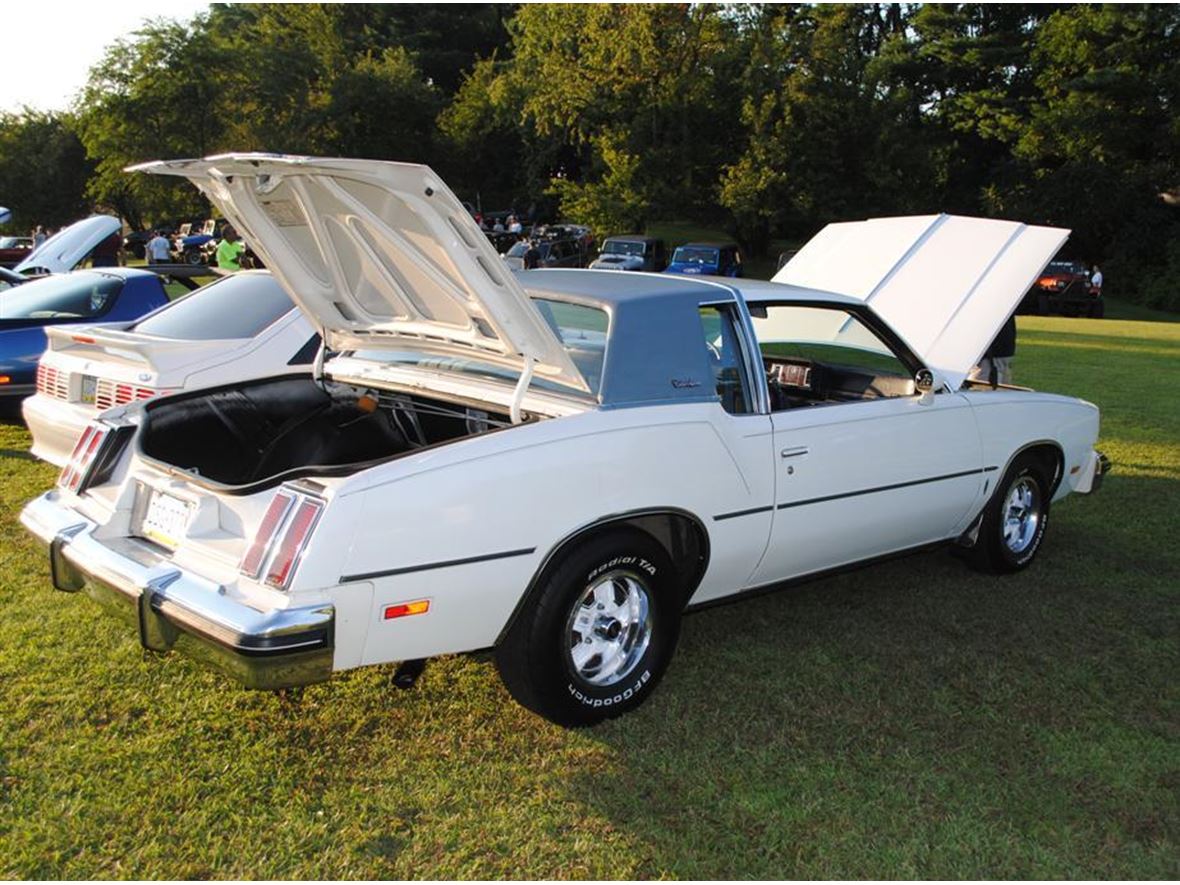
[767,120]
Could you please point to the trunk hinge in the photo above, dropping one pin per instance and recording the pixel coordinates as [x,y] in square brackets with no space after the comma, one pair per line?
[317,367]
[522,386]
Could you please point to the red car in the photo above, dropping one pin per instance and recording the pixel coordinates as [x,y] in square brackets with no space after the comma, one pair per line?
[1064,287]
[14,249]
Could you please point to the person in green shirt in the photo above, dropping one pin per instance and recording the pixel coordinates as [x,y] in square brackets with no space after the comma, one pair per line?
[229,250]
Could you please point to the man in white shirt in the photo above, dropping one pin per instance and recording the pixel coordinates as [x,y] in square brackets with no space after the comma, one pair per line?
[1096,281]
[158,249]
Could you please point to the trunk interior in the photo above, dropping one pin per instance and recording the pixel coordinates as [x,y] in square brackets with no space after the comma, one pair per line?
[252,434]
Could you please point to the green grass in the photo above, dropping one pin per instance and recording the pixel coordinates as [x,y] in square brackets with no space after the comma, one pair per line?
[912,719]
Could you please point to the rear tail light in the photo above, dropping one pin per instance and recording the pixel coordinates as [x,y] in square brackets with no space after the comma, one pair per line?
[282,537]
[280,504]
[113,393]
[75,472]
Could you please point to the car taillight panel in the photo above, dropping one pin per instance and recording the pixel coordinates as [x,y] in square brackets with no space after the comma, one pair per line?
[74,475]
[281,538]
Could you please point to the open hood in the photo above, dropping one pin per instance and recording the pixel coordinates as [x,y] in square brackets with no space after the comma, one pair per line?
[62,252]
[379,255]
[945,283]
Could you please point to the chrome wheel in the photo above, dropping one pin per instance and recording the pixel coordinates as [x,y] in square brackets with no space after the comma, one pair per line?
[609,628]
[1021,515]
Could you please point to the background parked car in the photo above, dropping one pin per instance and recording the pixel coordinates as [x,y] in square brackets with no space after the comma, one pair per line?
[26,311]
[187,248]
[239,327]
[1064,287]
[632,253]
[13,250]
[554,253]
[715,259]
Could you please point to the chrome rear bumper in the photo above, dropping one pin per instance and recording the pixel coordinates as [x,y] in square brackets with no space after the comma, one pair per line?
[172,608]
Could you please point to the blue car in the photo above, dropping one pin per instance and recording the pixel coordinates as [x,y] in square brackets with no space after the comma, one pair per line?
[714,259]
[90,296]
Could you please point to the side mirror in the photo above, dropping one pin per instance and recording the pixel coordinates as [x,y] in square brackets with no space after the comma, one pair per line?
[924,384]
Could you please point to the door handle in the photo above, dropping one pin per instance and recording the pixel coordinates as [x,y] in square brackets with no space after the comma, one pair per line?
[794,451]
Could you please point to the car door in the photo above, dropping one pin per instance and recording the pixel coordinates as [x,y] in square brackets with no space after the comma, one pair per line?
[739,527]
[865,466]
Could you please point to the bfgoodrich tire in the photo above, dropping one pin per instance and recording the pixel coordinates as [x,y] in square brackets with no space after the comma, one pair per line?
[597,632]
[1015,519]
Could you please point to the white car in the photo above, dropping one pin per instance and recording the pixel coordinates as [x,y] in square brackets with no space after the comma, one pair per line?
[555,472]
[239,327]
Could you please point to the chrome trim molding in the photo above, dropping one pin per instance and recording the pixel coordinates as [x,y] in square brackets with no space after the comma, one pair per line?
[428,566]
[175,609]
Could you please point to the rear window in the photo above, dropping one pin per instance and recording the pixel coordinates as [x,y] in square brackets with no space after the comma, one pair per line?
[67,296]
[233,307]
[582,331]
[695,255]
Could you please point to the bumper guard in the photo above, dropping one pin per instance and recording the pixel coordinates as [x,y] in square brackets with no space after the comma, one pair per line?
[175,609]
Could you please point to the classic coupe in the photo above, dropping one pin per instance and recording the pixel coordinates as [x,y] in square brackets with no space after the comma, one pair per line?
[555,472]
[238,327]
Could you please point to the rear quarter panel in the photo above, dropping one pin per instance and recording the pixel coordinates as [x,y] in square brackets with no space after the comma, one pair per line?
[516,495]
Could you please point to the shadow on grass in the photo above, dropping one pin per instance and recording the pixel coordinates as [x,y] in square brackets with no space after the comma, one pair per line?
[17,453]
[916,719]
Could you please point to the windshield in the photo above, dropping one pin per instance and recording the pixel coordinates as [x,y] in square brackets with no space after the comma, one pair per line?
[582,331]
[622,247]
[76,295]
[240,306]
[1065,267]
[695,255]
[10,242]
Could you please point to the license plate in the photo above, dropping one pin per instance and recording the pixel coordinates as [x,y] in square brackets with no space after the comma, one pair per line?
[165,519]
[89,388]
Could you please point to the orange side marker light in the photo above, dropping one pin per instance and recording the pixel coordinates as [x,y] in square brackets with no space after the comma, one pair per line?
[404,609]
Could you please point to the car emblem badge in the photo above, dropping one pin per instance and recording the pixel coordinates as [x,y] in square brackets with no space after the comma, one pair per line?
[144,376]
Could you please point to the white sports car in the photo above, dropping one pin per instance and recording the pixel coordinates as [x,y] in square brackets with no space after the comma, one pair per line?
[557,472]
[239,327]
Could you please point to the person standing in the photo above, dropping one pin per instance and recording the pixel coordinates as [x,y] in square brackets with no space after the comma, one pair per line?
[229,250]
[107,252]
[1096,281]
[159,250]
[39,236]
[996,366]
[532,256]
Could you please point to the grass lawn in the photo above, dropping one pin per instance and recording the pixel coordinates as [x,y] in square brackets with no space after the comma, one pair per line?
[912,719]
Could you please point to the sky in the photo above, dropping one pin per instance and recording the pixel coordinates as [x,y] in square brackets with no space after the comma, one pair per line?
[49,46]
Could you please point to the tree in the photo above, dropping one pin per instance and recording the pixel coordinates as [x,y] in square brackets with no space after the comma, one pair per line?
[612,202]
[157,96]
[43,170]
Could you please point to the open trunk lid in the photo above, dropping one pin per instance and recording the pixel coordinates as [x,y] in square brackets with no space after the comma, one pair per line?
[945,283]
[380,255]
[63,251]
